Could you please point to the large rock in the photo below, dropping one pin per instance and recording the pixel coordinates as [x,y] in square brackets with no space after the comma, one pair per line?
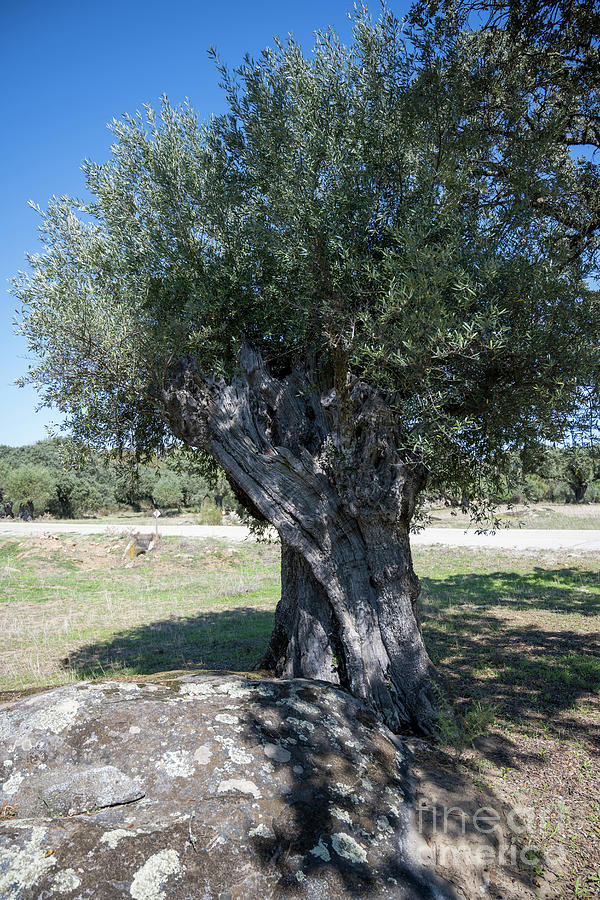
[204,787]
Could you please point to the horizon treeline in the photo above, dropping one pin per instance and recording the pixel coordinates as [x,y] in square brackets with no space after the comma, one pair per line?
[58,478]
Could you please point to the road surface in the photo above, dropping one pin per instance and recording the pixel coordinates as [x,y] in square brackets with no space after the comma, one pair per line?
[505,539]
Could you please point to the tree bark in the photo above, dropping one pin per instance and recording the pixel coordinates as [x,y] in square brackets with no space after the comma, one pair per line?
[342,505]
[304,643]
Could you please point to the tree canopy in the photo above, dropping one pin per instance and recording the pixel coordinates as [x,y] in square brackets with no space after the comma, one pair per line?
[405,211]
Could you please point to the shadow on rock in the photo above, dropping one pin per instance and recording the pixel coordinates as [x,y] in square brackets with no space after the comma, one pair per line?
[346,821]
[221,785]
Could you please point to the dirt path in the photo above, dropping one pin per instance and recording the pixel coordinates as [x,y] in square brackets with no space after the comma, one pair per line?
[513,539]
[507,539]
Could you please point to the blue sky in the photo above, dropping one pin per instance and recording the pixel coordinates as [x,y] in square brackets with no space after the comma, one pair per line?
[66,69]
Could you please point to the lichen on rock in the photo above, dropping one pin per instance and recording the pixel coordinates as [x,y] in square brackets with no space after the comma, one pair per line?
[23,863]
[159,791]
[149,880]
[66,881]
[241,785]
[345,845]
[176,763]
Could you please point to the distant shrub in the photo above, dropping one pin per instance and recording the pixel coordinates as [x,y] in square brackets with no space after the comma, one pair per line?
[560,492]
[168,492]
[210,514]
[86,498]
[593,492]
[535,488]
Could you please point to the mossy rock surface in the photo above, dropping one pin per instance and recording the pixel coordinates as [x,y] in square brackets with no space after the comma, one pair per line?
[204,787]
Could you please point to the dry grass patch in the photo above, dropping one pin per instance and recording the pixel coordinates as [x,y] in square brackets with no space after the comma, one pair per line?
[542,515]
[75,608]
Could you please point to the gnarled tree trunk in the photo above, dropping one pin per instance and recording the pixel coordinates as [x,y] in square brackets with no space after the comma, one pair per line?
[341,496]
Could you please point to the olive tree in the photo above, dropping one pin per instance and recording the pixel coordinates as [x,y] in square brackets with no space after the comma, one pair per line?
[575,466]
[29,484]
[552,48]
[335,292]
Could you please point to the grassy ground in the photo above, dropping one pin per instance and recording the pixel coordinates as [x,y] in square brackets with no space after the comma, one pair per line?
[516,636]
[74,608]
[535,515]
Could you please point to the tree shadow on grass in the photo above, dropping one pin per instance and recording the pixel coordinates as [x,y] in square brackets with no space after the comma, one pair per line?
[570,591]
[232,639]
[531,673]
[536,672]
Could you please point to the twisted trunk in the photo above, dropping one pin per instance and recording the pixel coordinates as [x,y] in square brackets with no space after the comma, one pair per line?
[342,506]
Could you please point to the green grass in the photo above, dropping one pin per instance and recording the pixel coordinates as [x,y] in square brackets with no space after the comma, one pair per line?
[76,608]
[517,632]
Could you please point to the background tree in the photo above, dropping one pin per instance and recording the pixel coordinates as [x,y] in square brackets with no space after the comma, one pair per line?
[168,491]
[134,484]
[580,469]
[347,284]
[575,466]
[86,480]
[29,483]
[196,490]
[61,504]
[74,495]
[6,507]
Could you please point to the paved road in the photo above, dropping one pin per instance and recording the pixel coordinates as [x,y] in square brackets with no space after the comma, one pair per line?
[506,539]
